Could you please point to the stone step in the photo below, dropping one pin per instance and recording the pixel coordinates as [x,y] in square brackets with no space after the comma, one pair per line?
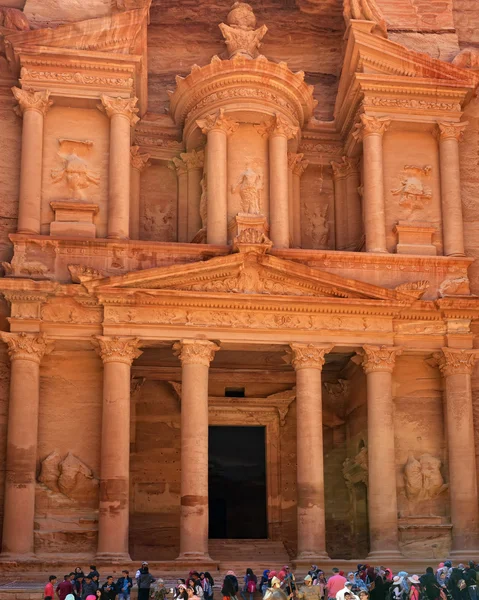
[255,551]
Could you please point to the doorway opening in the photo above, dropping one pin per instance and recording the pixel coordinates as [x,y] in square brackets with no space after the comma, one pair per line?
[237,482]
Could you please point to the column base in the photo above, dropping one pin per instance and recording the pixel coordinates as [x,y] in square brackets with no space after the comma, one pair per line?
[7,557]
[195,557]
[113,557]
[463,555]
[306,559]
[384,555]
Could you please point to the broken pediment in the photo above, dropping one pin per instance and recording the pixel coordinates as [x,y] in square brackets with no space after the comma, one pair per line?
[251,273]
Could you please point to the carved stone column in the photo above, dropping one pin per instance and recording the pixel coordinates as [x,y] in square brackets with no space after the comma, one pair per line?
[182,199]
[378,364]
[456,366]
[117,355]
[26,352]
[194,161]
[195,356]
[450,134]
[122,114]
[308,361]
[372,129]
[340,206]
[217,127]
[353,203]
[279,132]
[138,163]
[33,106]
[297,167]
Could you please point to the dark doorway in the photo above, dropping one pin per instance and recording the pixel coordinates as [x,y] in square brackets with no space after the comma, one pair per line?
[237,483]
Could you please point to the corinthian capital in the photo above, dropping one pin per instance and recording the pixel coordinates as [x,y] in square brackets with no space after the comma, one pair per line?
[371,126]
[195,352]
[116,349]
[452,361]
[120,106]
[278,125]
[194,159]
[379,358]
[309,356]
[30,100]
[179,165]
[296,163]
[217,121]
[452,131]
[138,161]
[26,346]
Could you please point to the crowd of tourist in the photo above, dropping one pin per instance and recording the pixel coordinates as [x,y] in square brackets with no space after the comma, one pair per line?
[446,582]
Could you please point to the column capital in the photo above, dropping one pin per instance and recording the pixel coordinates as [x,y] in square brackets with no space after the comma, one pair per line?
[309,356]
[117,349]
[125,107]
[217,121]
[277,126]
[449,131]
[370,125]
[296,163]
[138,161]
[194,159]
[31,100]
[340,169]
[379,358]
[179,165]
[195,352]
[27,346]
[454,361]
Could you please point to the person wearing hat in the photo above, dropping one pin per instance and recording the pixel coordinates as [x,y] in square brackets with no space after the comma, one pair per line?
[275,592]
[415,588]
[308,591]
[347,589]
[144,582]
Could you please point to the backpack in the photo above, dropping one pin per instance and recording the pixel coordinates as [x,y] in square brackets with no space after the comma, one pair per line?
[251,586]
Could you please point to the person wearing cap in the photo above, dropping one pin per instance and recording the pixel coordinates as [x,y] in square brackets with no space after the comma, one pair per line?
[275,592]
[144,582]
[138,573]
[347,589]
[308,591]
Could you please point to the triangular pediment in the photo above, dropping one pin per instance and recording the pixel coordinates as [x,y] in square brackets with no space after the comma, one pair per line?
[252,273]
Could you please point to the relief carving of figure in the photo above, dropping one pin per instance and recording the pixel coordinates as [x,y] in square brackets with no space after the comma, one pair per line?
[317,225]
[75,172]
[423,478]
[204,202]
[249,187]
[413,193]
[241,37]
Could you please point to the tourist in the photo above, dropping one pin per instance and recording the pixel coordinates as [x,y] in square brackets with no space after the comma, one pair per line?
[211,582]
[431,587]
[78,583]
[159,590]
[456,583]
[363,595]
[191,593]
[335,583]
[144,580]
[308,591]
[94,573]
[321,582]
[207,586]
[470,577]
[65,588]
[195,583]
[50,587]
[180,589]
[89,587]
[288,582]
[397,590]
[124,585]
[250,581]
[264,581]
[108,589]
[347,589]
[230,586]
[414,588]
[78,572]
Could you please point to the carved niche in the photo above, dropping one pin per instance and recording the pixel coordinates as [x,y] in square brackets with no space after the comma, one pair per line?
[68,476]
[249,187]
[316,225]
[423,478]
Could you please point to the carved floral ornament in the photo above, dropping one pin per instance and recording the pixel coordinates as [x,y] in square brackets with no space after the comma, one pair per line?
[277,126]
[31,100]
[138,161]
[379,358]
[345,167]
[456,361]
[452,131]
[194,159]
[26,346]
[297,163]
[217,122]
[308,356]
[195,352]
[125,107]
[240,35]
[116,349]
[370,126]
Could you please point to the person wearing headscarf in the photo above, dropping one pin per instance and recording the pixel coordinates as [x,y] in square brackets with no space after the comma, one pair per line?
[308,591]
[263,585]
[230,586]
[470,577]
[321,583]
[456,584]
[430,585]
[377,589]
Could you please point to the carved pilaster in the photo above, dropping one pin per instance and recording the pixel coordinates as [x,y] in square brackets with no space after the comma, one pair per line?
[371,126]
[447,131]
[309,356]
[217,121]
[125,107]
[195,352]
[379,358]
[26,346]
[31,100]
[193,160]
[277,126]
[139,161]
[453,361]
[116,349]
